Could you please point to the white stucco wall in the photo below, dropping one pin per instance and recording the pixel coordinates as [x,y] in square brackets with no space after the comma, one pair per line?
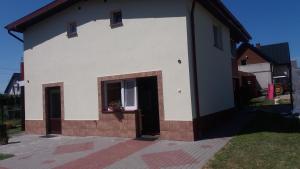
[262,71]
[214,65]
[154,37]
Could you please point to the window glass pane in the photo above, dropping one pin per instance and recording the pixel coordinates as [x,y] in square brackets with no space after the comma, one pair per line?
[113,93]
[244,62]
[215,35]
[118,17]
[218,36]
[220,43]
[72,29]
[130,93]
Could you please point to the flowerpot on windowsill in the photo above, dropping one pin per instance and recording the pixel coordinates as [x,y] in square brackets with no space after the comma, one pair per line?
[115,109]
[3,135]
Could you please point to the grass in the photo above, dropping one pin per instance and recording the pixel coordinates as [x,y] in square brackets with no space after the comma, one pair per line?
[5,156]
[268,142]
[284,101]
[260,101]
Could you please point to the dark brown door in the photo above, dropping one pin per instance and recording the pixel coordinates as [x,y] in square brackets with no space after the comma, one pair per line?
[148,106]
[53,110]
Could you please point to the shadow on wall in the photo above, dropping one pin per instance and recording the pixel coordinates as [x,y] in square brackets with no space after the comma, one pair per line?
[266,119]
[93,11]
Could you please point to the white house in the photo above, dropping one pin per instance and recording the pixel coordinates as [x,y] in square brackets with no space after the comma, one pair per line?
[128,68]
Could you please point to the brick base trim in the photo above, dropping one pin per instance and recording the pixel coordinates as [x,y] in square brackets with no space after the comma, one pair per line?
[35,127]
[111,126]
[115,125]
[177,130]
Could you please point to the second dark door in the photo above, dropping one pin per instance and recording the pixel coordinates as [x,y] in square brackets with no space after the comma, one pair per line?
[53,110]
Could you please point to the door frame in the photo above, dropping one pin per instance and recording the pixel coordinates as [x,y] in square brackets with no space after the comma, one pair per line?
[60,85]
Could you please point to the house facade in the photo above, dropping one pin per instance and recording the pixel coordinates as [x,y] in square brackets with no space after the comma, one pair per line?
[128,68]
[270,64]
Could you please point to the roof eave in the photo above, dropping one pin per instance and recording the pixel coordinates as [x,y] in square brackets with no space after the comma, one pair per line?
[50,9]
[219,10]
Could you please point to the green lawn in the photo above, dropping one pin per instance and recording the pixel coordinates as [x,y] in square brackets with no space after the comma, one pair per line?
[260,101]
[5,156]
[268,142]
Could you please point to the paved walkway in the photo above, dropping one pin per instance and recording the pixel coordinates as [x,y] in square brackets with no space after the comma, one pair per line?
[35,152]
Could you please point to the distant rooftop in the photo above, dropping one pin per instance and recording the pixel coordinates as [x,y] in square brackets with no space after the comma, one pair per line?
[278,52]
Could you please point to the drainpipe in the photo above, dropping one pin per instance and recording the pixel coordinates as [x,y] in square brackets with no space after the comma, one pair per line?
[15,36]
[195,72]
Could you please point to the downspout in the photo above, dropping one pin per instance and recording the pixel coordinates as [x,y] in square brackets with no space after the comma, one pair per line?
[195,72]
[15,36]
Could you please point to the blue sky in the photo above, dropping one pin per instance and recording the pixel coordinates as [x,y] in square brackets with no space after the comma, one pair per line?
[267,21]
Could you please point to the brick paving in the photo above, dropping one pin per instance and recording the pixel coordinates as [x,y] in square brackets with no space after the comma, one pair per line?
[106,157]
[35,152]
[72,148]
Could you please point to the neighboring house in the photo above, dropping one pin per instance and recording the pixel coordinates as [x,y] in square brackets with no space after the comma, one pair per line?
[269,63]
[13,87]
[128,68]
[296,86]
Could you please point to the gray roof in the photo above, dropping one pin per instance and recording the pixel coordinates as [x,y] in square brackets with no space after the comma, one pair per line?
[280,53]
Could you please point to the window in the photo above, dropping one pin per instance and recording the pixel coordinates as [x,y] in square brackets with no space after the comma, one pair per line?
[116,19]
[120,95]
[113,95]
[72,29]
[233,48]
[244,62]
[218,37]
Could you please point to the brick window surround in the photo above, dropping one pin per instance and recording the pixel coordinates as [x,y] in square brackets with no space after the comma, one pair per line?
[157,74]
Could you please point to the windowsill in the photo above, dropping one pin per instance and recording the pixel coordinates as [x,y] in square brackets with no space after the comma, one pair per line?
[122,111]
[218,48]
[116,25]
[73,35]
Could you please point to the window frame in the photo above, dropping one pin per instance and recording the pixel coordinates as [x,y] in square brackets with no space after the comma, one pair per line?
[114,24]
[123,93]
[69,28]
[218,36]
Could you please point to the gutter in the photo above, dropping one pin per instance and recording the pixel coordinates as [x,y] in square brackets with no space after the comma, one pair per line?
[15,36]
[196,124]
